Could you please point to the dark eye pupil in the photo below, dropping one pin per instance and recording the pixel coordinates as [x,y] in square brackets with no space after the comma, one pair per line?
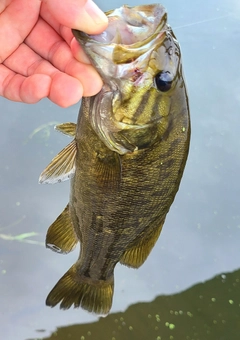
[163,81]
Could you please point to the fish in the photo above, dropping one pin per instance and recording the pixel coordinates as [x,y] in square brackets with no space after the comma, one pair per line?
[127,155]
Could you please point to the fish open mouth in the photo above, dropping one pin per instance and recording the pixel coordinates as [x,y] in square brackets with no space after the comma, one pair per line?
[128,25]
[132,31]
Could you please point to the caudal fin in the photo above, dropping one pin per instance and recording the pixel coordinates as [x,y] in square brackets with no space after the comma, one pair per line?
[72,289]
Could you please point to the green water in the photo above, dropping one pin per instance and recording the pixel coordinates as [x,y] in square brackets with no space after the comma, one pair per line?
[210,310]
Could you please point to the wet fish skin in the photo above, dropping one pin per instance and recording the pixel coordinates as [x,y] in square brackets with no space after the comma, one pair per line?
[126,161]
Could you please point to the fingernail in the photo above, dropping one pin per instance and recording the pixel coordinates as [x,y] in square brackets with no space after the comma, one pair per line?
[95,13]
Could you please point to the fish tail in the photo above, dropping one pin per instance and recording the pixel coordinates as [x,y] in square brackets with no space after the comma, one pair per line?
[73,289]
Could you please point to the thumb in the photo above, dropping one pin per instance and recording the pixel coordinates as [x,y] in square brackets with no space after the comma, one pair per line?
[83,15]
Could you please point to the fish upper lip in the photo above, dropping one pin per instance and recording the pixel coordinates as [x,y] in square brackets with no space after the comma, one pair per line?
[87,40]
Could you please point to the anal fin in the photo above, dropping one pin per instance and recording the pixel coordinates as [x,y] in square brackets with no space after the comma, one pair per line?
[137,254]
[61,236]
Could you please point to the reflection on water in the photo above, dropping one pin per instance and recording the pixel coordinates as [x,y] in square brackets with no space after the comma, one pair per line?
[200,238]
[207,311]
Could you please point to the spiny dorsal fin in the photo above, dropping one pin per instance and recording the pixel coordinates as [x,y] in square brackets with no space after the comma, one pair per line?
[73,289]
[67,128]
[62,167]
[61,236]
[136,255]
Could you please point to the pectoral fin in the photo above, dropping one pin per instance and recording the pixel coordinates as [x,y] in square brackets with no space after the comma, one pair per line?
[109,170]
[67,129]
[61,236]
[62,167]
[137,254]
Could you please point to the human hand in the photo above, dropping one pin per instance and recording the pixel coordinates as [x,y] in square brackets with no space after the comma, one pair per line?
[39,57]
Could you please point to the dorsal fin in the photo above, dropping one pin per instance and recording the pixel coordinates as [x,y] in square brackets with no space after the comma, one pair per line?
[62,167]
[68,129]
[61,236]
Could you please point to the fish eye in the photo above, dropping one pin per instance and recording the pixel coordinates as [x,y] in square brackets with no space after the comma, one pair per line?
[163,81]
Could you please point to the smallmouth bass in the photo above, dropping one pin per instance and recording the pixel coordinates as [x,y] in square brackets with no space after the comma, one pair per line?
[127,157]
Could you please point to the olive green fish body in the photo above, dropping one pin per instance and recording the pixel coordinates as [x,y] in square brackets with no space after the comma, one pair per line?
[124,196]
[126,159]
